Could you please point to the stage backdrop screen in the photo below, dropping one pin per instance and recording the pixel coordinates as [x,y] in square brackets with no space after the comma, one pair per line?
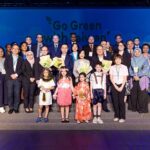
[104,24]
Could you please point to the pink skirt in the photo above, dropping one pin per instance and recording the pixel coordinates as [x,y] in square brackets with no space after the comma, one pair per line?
[64,97]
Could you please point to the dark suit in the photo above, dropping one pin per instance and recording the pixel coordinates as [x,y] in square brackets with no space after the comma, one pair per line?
[30,47]
[69,63]
[34,49]
[87,50]
[28,86]
[108,55]
[13,86]
[53,51]
[95,59]
[38,69]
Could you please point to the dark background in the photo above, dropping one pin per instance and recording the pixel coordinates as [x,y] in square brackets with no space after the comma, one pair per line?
[74,3]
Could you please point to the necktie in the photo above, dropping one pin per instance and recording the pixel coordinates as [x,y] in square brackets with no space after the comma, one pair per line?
[91,46]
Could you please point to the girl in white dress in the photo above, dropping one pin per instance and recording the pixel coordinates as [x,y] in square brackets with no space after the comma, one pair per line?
[46,84]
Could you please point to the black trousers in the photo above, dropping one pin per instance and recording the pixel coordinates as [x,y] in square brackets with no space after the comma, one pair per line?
[139,99]
[13,91]
[3,94]
[118,103]
[28,92]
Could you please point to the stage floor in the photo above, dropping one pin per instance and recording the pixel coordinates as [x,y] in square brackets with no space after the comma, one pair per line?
[24,121]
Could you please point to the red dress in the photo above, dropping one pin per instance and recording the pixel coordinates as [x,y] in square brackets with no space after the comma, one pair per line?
[83,102]
[64,97]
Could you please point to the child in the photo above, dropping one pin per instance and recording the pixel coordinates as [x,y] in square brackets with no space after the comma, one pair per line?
[98,91]
[63,93]
[46,84]
[82,94]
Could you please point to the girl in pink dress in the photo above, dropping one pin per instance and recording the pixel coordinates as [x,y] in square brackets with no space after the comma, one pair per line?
[63,93]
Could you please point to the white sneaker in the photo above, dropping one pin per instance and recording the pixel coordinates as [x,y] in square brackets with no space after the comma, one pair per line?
[116,119]
[99,120]
[86,121]
[95,120]
[2,110]
[78,122]
[121,121]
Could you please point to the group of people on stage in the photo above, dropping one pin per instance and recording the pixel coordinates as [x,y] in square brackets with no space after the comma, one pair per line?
[84,77]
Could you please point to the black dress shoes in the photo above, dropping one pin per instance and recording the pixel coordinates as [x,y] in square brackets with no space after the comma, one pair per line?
[10,111]
[106,110]
[16,111]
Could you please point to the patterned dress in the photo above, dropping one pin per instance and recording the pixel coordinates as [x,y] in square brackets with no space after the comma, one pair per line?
[64,97]
[83,102]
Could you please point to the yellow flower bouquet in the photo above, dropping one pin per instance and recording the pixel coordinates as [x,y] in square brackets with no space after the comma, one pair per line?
[46,61]
[84,67]
[106,65]
[58,62]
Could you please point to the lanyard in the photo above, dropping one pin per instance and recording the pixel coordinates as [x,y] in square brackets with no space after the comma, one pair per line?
[118,70]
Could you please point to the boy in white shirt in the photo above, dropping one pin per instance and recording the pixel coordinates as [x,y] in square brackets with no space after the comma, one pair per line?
[98,91]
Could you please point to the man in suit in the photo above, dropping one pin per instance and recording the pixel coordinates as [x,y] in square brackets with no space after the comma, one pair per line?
[107,54]
[67,58]
[90,48]
[28,40]
[118,39]
[130,47]
[37,47]
[54,48]
[13,67]
[136,42]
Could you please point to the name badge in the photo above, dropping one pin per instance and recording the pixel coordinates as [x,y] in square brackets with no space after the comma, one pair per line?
[135,69]
[90,54]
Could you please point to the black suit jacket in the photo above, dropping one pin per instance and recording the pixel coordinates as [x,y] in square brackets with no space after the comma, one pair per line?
[95,59]
[38,69]
[8,64]
[52,51]
[28,71]
[69,63]
[87,49]
[34,49]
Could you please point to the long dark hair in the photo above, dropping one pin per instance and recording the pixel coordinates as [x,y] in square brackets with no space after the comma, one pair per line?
[82,74]
[50,76]
[67,75]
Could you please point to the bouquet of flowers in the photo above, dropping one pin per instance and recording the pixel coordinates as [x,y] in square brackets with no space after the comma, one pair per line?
[84,67]
[82,94]
[46,61]
[106,65]
[58,62]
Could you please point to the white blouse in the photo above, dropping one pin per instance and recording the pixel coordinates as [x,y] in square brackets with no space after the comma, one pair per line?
[118,73]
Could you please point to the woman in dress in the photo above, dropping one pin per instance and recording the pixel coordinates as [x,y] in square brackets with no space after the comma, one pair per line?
[139,71]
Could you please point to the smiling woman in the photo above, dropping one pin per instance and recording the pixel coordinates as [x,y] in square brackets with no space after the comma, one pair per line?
[75,25]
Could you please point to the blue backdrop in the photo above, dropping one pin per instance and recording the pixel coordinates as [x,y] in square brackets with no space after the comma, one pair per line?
[16,24]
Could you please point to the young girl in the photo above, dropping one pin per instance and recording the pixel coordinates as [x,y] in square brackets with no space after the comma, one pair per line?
[63,93]
[82,94]
[46,84]
[98,91]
